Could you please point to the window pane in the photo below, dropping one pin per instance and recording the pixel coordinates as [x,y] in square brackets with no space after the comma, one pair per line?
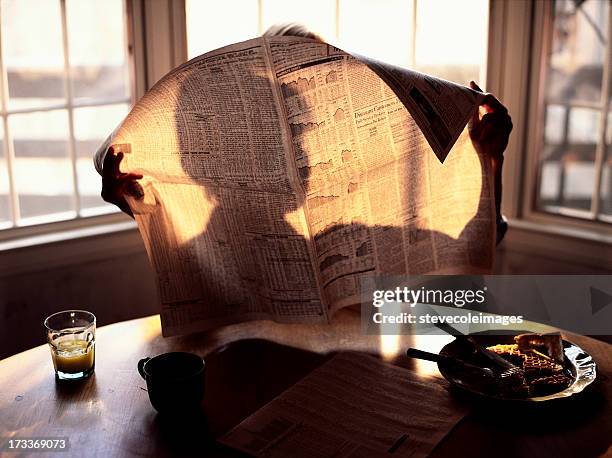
[33,53]
[568,163]
[211,27]
[572,114]
[554,133]
[97,44]
[42,172]
[583,126]
[368,27]
[5,209]
[319,16]
[91,127]
[453,44]
[377,28]
[577,51]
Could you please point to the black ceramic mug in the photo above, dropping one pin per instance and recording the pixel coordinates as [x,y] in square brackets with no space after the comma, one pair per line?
[175,381]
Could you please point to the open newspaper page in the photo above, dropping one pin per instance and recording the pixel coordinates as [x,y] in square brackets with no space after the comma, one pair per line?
[352,406]
[223,227]
[369,147]
[278,172]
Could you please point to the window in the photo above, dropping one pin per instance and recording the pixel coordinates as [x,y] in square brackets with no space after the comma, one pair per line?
[409,33]
[574,167]
[64,88]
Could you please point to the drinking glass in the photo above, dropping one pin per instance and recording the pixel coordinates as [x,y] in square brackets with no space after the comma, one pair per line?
[71,335]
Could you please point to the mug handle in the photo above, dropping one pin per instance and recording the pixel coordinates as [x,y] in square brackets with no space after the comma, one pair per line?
[141,364]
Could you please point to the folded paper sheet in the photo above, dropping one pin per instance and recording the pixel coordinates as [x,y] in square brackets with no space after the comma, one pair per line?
[280,171]
[353,406]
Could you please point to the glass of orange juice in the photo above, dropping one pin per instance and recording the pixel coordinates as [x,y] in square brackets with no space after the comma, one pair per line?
[71,335]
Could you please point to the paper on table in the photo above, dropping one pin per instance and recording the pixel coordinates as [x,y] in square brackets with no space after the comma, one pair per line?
[279,172]
[354,405]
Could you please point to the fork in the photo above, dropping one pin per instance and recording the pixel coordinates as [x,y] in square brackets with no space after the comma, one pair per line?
[509,371]
[436,358]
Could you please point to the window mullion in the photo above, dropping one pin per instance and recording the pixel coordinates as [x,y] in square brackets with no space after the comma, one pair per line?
[9,151]
[69,104]
[337,21]
[64,106]
[600,151]
[413,32]
[260,30]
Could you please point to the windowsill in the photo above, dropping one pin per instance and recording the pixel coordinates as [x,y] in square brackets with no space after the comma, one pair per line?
[82,242]
[29,241]
[561,231]
[559,243]
[50,225]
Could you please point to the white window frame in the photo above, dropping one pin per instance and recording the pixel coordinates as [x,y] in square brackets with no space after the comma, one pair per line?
[580,220]
[79,225]
[515,70]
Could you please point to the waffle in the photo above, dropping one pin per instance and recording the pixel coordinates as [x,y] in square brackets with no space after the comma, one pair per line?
[536,366]
[550,344]
[510,353]
[540,356]
[550,384]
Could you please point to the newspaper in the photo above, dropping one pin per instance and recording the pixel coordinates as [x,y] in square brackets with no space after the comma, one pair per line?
[354,405]
[280,171]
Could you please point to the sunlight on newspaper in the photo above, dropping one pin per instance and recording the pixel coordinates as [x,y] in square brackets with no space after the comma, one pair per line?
[279,172]
[160,141]
[461,174]
[297,221]
[187,225]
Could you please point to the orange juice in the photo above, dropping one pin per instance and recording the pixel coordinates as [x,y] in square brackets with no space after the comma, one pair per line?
[73,356]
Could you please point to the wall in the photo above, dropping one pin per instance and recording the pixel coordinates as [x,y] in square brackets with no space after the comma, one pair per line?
[108,275]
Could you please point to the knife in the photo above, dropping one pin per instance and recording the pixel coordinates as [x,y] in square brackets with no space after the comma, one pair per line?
[493,357]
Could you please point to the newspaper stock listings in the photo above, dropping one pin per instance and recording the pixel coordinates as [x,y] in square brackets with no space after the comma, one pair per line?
[280,171]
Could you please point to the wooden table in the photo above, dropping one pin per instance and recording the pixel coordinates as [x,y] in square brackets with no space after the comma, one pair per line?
[248,365]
